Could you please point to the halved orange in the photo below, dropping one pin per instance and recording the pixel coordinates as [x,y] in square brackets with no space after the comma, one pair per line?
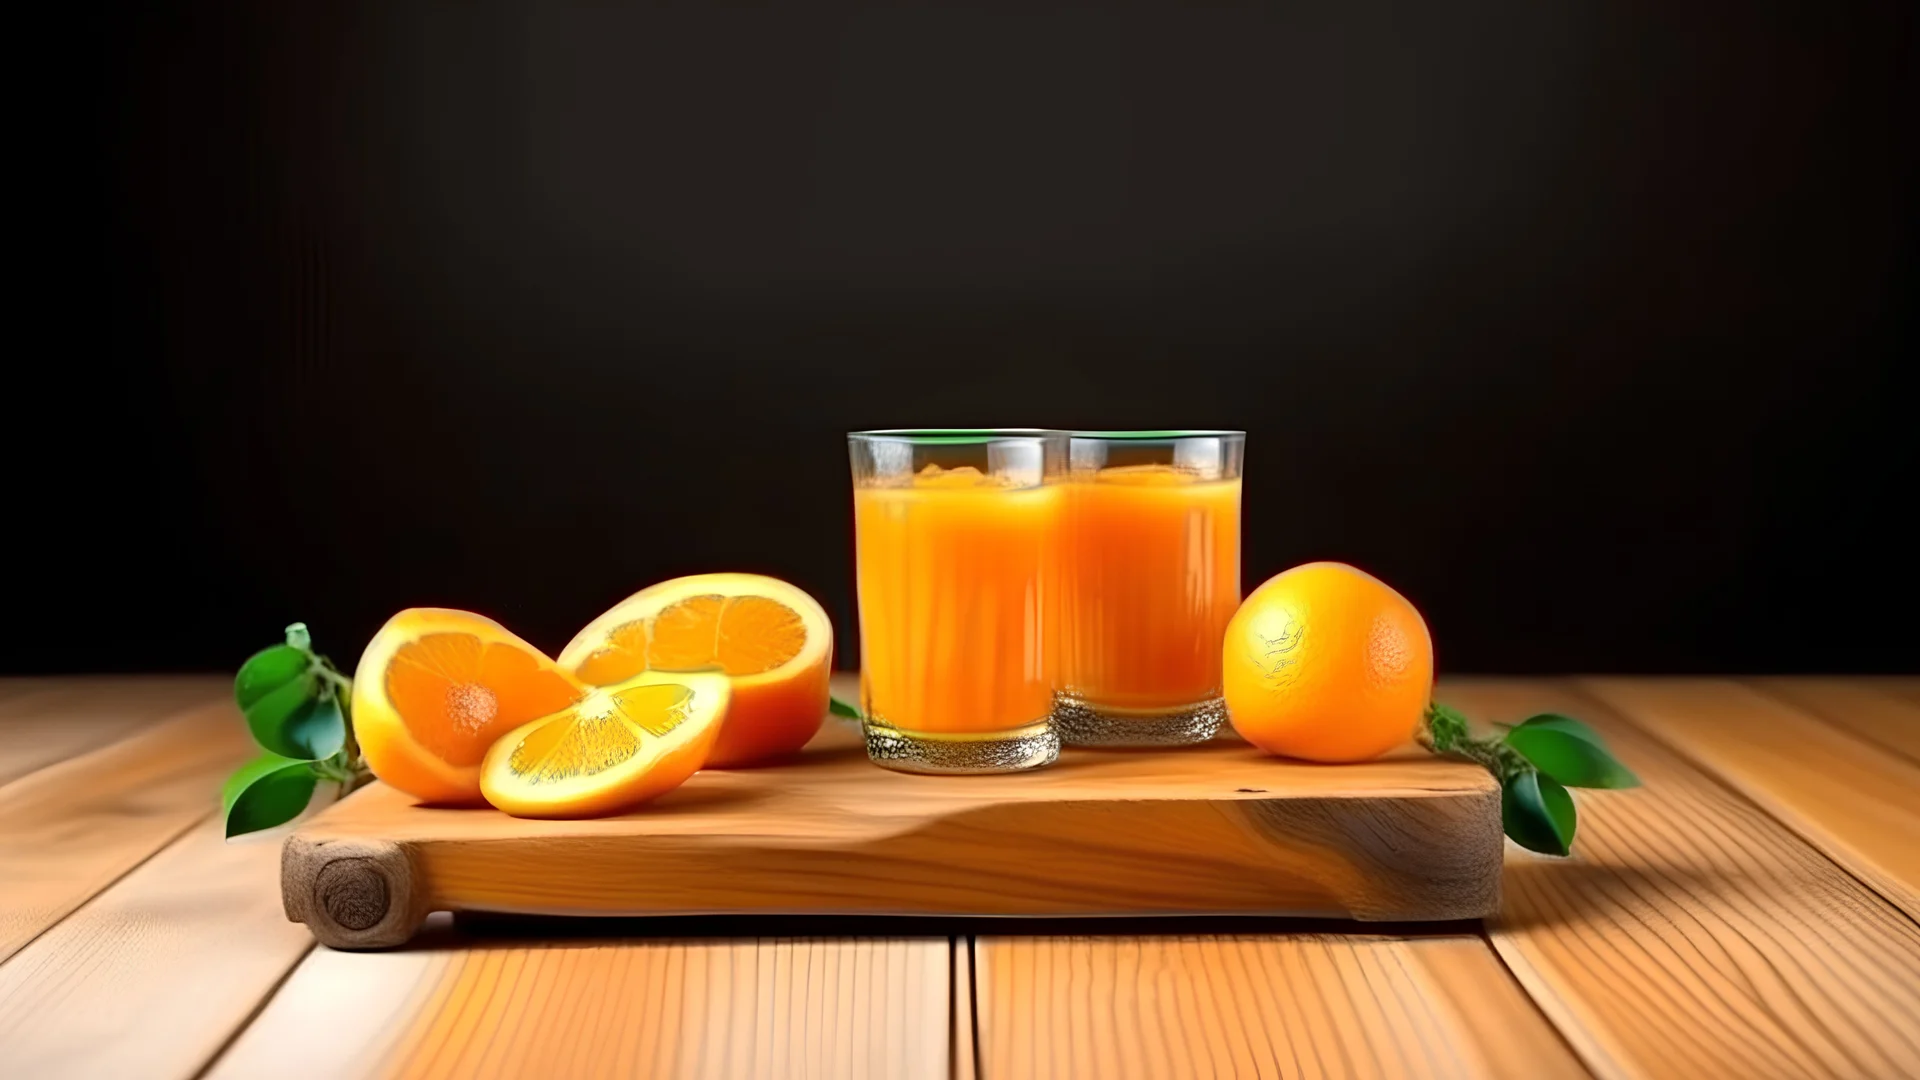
[616,748]
[435,688]
[771,639]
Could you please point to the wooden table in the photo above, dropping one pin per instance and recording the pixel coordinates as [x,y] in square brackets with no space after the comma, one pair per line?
[1751,912]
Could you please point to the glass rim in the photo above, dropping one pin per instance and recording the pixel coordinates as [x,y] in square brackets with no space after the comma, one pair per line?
[953,436]
[1157,436]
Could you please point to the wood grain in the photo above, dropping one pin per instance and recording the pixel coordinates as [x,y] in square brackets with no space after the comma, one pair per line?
[1265,1006]
[678,1008]
[69,829]
[13,686]
[1904,687]
[1856,802]
[1214,829]
[1692,934]
[155,975]
[48,720]
[1866,707]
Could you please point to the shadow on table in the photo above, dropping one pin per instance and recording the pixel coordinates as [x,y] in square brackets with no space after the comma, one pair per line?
[476,929]
[1542,893]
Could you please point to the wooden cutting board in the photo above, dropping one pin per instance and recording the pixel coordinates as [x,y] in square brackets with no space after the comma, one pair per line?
[1216,829]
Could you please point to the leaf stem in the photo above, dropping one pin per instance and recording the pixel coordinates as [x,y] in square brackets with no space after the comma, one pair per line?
[355,769]
[1444,731]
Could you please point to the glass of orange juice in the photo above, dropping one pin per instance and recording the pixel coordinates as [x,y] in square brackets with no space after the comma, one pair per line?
[1150,575]
[956,542]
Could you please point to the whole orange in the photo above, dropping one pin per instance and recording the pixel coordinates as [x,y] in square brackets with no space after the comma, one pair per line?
[1326,662]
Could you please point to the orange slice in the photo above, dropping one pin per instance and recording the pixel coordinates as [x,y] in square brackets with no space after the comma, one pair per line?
[435,688]
[771,639]
[616,748]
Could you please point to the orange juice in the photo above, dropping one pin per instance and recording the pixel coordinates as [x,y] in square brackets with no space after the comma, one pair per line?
[1151,576]
[957,577]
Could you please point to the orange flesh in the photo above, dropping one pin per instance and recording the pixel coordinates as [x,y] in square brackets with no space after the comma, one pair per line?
[621,658]
[573,745]
[741,635]
[457,693]
[1151,575]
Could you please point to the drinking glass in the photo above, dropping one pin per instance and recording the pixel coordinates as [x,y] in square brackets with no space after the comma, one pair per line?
[956,543]
[1150,574]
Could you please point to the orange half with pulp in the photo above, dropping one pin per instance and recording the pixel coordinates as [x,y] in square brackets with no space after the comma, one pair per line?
[771,640]
[434,689]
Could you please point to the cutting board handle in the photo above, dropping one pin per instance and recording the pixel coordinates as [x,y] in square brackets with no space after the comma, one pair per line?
[353,894]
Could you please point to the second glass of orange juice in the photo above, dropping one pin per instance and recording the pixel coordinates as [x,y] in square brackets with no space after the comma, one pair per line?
[956,545]
[1150,570]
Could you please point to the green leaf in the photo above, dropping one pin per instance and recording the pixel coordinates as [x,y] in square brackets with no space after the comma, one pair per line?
[1565,755]
[321,727]
[269,670]
[1538,813]
[267,791]
[1566,724]
[246,774]
[841,708]
[300,720]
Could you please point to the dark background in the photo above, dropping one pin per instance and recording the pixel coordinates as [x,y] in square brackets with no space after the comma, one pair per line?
[1588,326]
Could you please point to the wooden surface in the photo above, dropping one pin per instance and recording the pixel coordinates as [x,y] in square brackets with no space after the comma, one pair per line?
[51,720]
[1857,801]
[1270,1005]
[1739,916]
[155,975]
[1695,934]
[861,1007]
[1874,710]
[70,828]
[1217,829]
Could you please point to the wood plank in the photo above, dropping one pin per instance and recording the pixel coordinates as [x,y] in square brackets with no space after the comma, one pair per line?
[13,686]
[1864,707]
[1904,687]
[70,829]
[1691,934]
[1855,802]
[55,718]
[1218,829]
[155,975]
[1510,1033]
[1268,1006]
[456,1007]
